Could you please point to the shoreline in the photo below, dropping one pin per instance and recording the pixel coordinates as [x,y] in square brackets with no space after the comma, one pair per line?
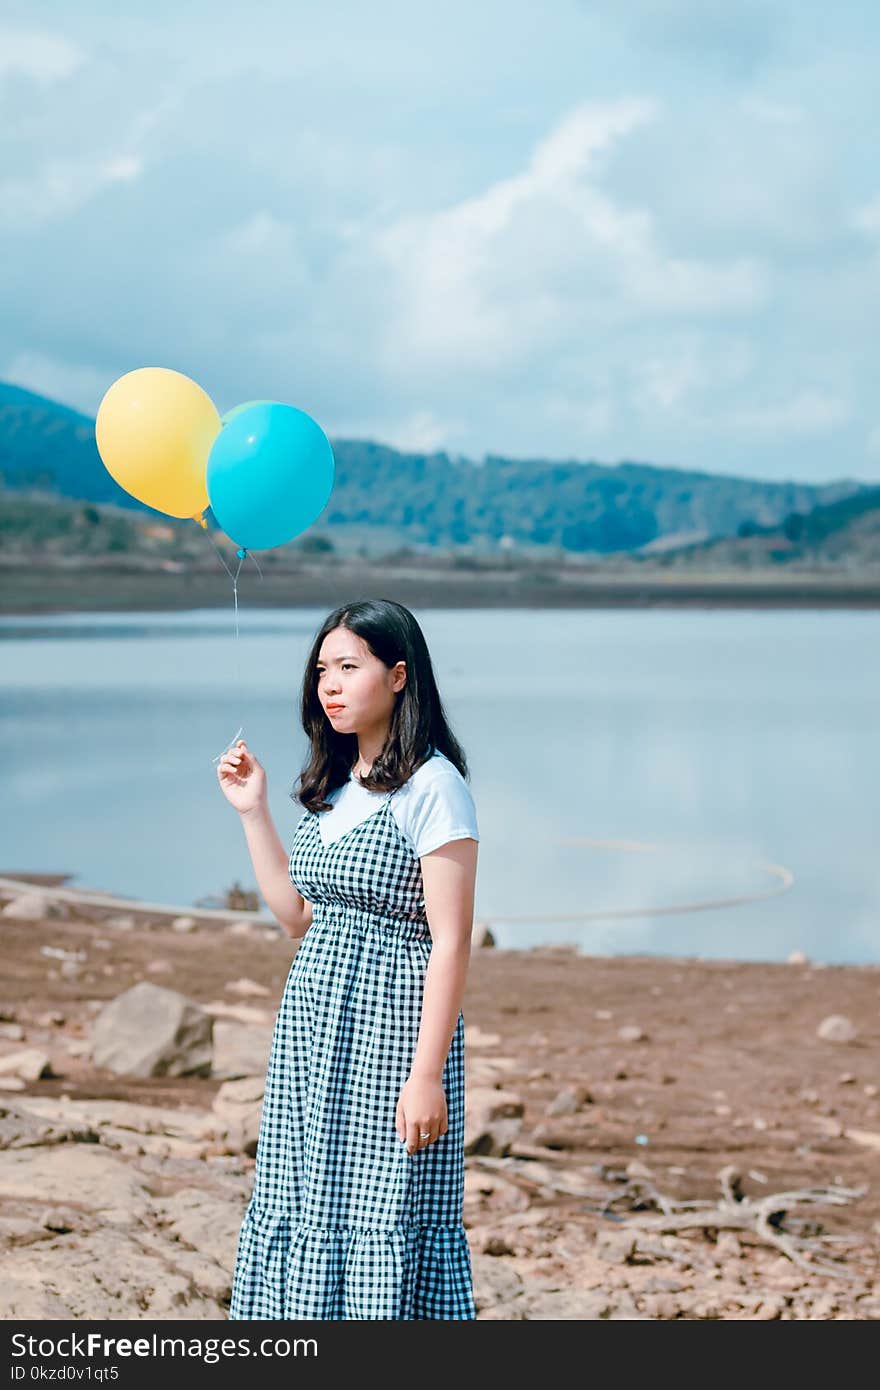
[119,588]
[98,906]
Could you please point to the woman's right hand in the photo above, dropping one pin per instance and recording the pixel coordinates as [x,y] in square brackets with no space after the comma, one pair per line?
[242,778]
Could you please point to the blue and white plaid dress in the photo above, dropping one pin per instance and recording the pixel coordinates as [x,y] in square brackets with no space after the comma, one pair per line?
[343,1222]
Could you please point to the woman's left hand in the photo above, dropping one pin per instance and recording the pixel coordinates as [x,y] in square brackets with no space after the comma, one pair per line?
[421,1109]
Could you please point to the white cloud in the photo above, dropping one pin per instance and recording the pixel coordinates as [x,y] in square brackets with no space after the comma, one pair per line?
[420,432]
[773,112]
[543,256]
[667,378]
[124,169]
[809,412]
[68,382]
[688,364]
[59,188]
[867,217]
[34,53]
[431,252]
[589,418]
[262,235]
[273,282]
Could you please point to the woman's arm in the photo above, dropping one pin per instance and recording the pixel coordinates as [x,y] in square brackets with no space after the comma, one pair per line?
[449,878]
[271,865]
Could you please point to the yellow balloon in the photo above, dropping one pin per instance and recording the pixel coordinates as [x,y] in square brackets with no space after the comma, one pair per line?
[154,430]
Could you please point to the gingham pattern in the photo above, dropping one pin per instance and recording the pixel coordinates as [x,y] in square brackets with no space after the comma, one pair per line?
[343,1222]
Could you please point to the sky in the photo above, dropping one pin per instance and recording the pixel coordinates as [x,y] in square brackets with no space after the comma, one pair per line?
[646,230]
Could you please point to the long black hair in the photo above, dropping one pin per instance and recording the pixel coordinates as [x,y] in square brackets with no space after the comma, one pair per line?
[418,723]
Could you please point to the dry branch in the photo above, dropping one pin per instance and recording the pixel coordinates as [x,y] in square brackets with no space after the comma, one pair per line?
[762,1217]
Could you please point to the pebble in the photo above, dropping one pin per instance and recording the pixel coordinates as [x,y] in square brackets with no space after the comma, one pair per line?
[631,1032]
[837,1028]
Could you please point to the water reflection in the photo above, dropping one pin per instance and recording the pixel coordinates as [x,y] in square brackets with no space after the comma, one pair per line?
[621,761]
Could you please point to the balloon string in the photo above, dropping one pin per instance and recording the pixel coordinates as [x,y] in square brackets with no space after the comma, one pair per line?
[221,555]
[237,645]
[242,556]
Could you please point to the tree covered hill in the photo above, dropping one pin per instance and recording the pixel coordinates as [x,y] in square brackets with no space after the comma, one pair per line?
[844,534]
[391,498]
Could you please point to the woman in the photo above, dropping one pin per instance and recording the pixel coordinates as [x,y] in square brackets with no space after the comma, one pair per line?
[356,1209]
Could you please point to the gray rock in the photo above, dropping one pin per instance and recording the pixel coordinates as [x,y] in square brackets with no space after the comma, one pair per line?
[635,1168]
[496,1284]
[241,1013]
[151,1031]
[115,1116]
[125,921]
[615,1245]
[493,1119]
[86,1173]
[244,986]
[30,1064]
[60,1219]
[237,1093]
[243,928]
[489,1071]
[567,1102]
[110,1274]
[30,1302]
[837,1028]
[631,1032]
[237,1110]
[577,1304]
[206,1222]
[240,1049]
[184,925]
[35,907]
[481,935]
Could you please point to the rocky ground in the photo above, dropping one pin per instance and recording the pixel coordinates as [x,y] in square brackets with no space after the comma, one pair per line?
[647,1137]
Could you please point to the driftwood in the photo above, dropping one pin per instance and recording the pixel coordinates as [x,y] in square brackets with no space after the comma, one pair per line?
[762,1216]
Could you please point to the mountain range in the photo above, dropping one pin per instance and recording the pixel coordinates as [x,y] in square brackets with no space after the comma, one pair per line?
[393,499]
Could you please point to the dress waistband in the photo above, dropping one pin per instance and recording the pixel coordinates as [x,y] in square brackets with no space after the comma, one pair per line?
[361,919]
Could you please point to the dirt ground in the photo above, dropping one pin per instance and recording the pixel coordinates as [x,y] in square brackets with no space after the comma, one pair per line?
[729,1070]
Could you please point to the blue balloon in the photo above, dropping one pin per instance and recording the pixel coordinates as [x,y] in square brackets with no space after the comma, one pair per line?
[270,475]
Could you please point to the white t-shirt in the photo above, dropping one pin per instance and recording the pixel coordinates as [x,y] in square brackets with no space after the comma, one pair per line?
[432,808]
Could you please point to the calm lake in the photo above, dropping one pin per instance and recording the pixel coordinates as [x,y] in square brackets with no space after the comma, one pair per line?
[674,782]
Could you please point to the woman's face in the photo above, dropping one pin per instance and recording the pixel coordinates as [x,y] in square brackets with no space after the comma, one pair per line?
[356,689]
